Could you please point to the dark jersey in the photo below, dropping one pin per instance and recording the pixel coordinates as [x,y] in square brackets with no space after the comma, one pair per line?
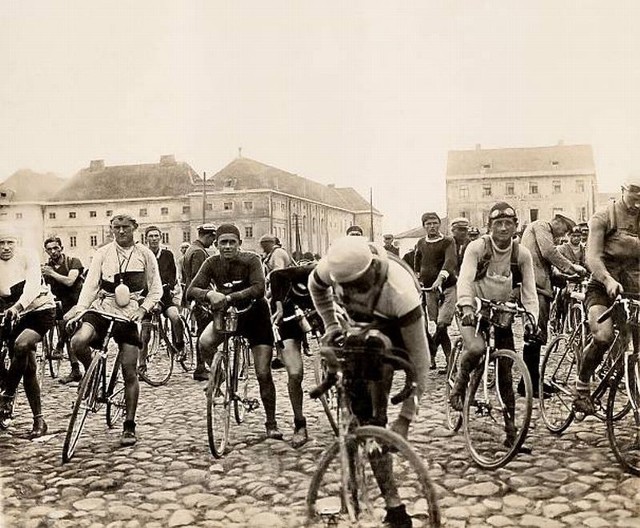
[289,286]
[67,295]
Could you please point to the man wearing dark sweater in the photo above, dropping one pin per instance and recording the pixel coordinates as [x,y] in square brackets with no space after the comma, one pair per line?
[436,264]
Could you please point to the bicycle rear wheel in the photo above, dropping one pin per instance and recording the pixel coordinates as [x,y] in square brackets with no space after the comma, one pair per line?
[495,421]
[400,471]
[329,399]
[86,402]
[158,365]
[623,417]
[218,406]
[240,379]
[115,396]
[558,371]
[454,418]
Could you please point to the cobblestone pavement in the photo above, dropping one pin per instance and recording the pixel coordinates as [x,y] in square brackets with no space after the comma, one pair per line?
[170,478]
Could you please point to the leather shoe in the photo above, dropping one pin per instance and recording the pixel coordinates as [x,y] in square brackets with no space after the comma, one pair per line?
[201,374]
[39,428]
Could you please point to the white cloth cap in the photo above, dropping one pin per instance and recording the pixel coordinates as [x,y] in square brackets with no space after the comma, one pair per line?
[348,258]
[8,232]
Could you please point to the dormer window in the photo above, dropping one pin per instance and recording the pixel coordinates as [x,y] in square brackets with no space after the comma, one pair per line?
[229,184]
[555,163]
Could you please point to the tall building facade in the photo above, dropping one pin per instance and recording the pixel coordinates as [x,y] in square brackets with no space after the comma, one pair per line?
[260,199]
[538,181]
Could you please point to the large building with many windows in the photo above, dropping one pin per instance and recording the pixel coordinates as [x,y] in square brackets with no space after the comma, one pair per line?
[258,198]
[537,181]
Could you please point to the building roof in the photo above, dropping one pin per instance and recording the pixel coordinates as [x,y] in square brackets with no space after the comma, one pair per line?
[99,182]
[26,185]
[247,174]
[560,158]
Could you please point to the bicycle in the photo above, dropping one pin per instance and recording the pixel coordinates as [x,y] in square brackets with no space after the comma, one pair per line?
[156,368]
[228,384]
[45,353]
[6,326]
[561,316]
[361,468]
[559,370]
[95,389]
[491,411]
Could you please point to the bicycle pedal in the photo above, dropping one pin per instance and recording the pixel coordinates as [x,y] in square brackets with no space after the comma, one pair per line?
[251,404]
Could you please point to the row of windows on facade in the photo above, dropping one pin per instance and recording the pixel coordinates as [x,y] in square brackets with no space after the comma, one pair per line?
[534,214]
[510,188]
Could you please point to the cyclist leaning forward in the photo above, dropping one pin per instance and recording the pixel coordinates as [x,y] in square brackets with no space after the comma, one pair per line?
[378,288]
[613,256]
[123,279]
[235,278]
[22,295]
[494,279]
[288,291]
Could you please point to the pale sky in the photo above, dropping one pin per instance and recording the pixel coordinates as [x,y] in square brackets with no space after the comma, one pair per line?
[353,93]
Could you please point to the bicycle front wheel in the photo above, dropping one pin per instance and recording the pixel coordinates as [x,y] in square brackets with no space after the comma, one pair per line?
[240,388]
[218,406]
[558,371]
[378,464]
[187,359]
[329,399]
[495,421]
[623,417]
[454,418]
[156,369]
[86,402]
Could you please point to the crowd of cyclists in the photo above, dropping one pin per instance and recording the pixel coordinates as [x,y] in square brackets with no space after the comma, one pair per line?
[438,281]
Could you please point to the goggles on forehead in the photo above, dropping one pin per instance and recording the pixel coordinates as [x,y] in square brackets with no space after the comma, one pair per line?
[502,213]
[632,188]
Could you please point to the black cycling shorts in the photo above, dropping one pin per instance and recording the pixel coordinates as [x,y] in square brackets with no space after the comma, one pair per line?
[40,321]
[123,333]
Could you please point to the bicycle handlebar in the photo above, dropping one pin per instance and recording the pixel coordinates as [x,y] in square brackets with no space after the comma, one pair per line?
[621,298]
[71,323]
[330,355]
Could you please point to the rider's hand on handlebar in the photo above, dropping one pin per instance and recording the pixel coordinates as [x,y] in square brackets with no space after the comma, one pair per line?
[468,316]
[13,312]
[580,270]
[613,287]
[331,335]
[217,300]
[138,315]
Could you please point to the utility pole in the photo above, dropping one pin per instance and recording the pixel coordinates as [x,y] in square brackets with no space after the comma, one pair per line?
[204,197]
[371,212]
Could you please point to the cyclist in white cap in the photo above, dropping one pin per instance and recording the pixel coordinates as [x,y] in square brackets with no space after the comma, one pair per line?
[375,287]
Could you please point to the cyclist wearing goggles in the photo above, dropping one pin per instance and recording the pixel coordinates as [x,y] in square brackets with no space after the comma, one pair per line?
[538,238]
[614,260]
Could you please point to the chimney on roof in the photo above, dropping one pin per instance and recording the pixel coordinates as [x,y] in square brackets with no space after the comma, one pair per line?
[561,142]
[168,159]
[478,146]
[96,165]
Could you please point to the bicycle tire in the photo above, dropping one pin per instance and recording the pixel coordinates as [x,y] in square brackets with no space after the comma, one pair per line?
[329,400]
[54,363]
[623,417]
[218,406]
[408,470]
[482,437]
[453,417]
[158,365]
[558,371]
[86,401]
[116,405]
[187,360]
[240,378]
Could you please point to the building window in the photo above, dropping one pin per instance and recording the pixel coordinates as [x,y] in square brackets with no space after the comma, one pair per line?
[533,189]
[248,206]
[557,187]
[510,189]
[186,209]
[164,211]
[486,189]
[143,212]
[52,216]
[108,212]
[464,193]
[93,214]
[227,206]
[73,241]
[485,167]
[248,232]
[209,206]
[282,206]
[464,214]
[555,163]
[93,240]
[72,214]
[533,215]
[18,216]
[579,186]
[186,236]
[165,238]
[582,214]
